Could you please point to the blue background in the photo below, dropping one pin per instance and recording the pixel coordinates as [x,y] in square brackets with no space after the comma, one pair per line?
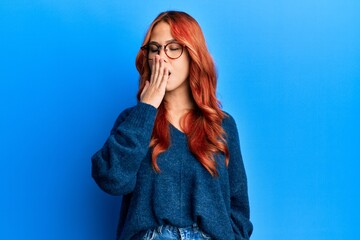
[289,72]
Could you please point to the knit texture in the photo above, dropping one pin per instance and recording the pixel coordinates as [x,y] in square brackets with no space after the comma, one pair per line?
[183,193]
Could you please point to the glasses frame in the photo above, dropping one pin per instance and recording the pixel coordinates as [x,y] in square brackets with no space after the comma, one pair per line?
[146,47]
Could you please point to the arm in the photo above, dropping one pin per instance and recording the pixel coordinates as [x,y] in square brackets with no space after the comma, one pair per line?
[240,210]
[115,165]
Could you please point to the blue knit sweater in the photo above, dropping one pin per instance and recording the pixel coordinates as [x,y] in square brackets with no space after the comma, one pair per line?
[183,193]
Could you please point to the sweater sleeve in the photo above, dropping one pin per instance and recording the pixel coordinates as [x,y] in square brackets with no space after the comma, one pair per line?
[240,210]
[115,165]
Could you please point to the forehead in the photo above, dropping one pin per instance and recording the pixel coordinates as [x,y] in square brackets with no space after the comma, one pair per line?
[161,33]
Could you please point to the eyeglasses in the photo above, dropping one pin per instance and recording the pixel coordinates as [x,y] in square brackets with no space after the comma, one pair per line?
[173,50]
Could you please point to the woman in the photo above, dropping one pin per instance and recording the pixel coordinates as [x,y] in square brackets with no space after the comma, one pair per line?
[175,156]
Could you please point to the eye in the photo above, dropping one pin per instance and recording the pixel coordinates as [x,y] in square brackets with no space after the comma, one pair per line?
[153,48]
[174,47]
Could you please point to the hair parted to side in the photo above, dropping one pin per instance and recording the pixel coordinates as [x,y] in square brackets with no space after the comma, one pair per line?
[202,125]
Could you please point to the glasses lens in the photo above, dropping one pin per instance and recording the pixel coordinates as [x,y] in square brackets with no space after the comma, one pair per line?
[174,50]
[151,50]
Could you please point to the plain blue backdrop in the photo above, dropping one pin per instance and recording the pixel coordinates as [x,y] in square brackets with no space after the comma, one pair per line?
[289,73]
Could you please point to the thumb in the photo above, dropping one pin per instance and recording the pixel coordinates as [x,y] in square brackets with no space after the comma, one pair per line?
[144,89]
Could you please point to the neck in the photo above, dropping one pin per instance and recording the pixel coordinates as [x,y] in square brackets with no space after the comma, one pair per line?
[179,102]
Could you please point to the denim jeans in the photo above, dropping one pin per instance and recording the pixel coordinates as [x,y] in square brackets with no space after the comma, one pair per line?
[168,232]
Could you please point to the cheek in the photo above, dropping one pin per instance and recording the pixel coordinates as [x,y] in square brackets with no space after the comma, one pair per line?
[185,69]
[185,65]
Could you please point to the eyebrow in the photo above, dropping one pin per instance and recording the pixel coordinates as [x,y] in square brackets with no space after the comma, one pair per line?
[168,41]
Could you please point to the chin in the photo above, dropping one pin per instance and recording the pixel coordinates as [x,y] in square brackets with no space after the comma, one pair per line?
[173,84]
[169,88]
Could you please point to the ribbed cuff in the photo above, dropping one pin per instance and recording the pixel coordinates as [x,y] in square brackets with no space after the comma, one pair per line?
[142,115]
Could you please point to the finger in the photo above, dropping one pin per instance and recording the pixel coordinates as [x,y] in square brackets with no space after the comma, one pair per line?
[164,78]
[156,70]
[160,72]
[152,70]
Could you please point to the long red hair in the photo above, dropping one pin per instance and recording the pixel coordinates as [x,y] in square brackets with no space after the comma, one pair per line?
[202,125]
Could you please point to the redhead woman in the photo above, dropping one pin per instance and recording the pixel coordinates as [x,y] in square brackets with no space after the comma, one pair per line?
[175,156]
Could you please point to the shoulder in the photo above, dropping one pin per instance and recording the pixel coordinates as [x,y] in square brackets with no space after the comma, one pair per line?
[229,123]
[231,130]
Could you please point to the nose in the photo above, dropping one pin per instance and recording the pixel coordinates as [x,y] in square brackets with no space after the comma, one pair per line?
[162,54]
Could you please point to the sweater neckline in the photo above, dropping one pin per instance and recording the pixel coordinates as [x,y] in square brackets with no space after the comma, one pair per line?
[178,131]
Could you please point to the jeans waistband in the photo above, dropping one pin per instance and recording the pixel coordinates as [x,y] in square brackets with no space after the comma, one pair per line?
[176,229]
